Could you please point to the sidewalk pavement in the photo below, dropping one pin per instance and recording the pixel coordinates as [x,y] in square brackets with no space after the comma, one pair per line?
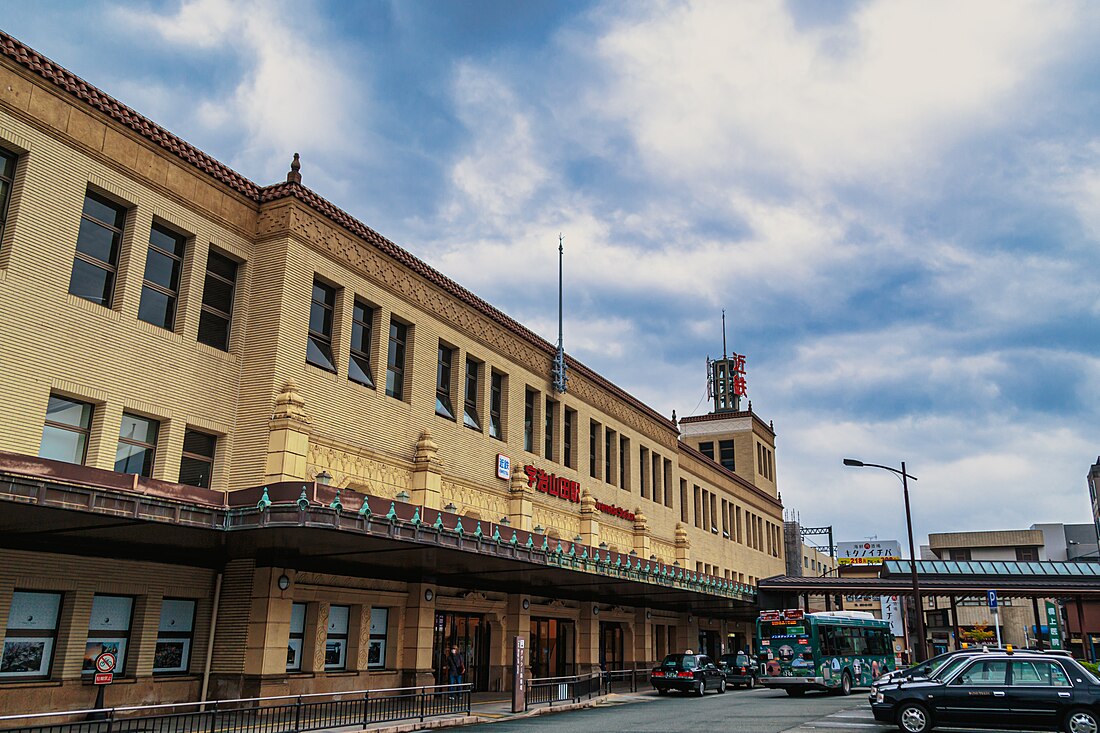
[491,707]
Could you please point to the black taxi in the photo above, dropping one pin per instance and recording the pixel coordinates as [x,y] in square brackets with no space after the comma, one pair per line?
[694,673]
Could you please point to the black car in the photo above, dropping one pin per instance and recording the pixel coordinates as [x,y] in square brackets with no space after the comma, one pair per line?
[694,673]
[739,669]
[1003,690]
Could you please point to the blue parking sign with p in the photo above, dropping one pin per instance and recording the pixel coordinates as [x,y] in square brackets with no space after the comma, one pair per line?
[991,596]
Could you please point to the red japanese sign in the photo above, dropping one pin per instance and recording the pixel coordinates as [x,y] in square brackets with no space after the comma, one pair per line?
[548,483]
[615,511]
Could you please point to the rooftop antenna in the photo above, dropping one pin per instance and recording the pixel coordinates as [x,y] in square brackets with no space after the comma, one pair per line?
[558,371]
[724,356]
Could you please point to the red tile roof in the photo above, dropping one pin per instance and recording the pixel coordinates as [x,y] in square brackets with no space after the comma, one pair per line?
[111,107]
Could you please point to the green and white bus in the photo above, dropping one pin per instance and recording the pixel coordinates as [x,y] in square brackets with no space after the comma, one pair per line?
[830,650]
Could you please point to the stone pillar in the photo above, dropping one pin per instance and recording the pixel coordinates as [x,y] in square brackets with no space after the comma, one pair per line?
[316,633]
[267,634]
[643,637]
[359,638]
[517,622]
[427,476]
[288,438]
[416,652]
[588,638]
[590,523]
[641,533]
[683,547]
[519,501]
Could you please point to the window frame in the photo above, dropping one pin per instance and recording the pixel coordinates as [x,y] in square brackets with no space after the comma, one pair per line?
[296,637]
[549,424]
[82,430]
[378,640]
[319,343]
[529,420]
[496,405]
[177,259]
[338,636]
[471,397]
[208,311]
[396,355]
[444,375]
[105,635]
[165,637]
[199,458]
[30,635]
[568,424]
[150,447]
[109,266]
[7,183]
[357,357]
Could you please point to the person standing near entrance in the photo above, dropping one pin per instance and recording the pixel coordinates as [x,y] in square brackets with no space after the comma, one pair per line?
[456,667]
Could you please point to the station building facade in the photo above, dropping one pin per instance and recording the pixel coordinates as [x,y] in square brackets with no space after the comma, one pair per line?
[256,448]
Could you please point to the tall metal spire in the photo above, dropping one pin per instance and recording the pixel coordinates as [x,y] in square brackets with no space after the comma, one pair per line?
[561,379]
[724,334]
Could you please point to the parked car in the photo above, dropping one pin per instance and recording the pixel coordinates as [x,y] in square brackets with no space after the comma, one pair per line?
[739,669]
[1003,690]
[694,673]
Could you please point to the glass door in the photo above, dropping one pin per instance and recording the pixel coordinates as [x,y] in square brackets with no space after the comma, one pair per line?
[552,647]
[470,633]
[611,646]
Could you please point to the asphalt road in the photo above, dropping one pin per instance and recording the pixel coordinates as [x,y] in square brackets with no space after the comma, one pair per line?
[756,711]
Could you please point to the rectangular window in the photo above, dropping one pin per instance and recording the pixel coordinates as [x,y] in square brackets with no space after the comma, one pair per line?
[7,180]
[569,425]
[216,316]
[548,435]
[137,445]
[395,360]
[108,631]
[319,343]
[529,421]
[470,417]
[362,338]
[706,509]
[197,462]
[443,406]
[655,478]
[31,636]
[668,483]
[379,625]
[1027,554]
[161,286]
[683,501]
[172,654]
[643,471]
[608,464]
[697,505]
[496,406]
[725,454]
[624,457]
[297,637]
[962,555]
[713,513]
[336,640]
[97,247]
[65,434]
[725,519]
[593,445]
[707,449]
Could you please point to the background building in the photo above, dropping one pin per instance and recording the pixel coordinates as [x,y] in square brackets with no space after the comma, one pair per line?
[254,447]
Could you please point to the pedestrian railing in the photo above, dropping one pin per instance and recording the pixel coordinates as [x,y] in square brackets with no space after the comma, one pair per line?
[626,680]
[551,690]
[286,714]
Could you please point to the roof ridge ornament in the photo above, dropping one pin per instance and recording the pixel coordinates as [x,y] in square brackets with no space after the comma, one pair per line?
[295,176]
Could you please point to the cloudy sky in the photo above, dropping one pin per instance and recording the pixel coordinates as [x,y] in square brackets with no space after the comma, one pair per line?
[896,203]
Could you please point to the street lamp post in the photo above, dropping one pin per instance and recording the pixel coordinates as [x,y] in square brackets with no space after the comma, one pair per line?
[919,647]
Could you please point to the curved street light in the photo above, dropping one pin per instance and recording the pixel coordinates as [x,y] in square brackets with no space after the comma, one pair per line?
[918,648]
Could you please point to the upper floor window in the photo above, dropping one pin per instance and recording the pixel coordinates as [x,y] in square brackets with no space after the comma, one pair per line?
[7,179]
[443,383]
[593,446]
[529,421]
[197,462]
[216,316]
[959,555]
[608,444]
[470,407]
[321,308]
[725,454]
[548,436]
[569,424]
[97,246]
[65,434]
[707,449]
[1027,554]
[362,321]
[395,360]
[31,635]
[137,445]
[496,400]
[160,289]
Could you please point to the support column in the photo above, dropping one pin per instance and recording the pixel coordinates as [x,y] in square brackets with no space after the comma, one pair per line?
[683,547]
[1039,643]
[288,438]
[955,621]
[416,656]
[643,637]
[267,635]
[519,501]
[427,476]
[588,638]
[590,523]
[517,622]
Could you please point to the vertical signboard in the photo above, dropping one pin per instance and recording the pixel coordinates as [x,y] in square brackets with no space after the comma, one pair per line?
[1054,625]
[519,674]
[891,611]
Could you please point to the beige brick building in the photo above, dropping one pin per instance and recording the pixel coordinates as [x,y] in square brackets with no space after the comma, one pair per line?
[217,392]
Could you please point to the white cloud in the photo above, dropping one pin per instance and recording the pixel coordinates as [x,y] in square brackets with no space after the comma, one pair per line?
[293,95]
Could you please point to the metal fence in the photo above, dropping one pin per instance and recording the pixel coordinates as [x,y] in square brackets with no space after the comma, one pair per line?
[550,690]
[626,680]
[289,714]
